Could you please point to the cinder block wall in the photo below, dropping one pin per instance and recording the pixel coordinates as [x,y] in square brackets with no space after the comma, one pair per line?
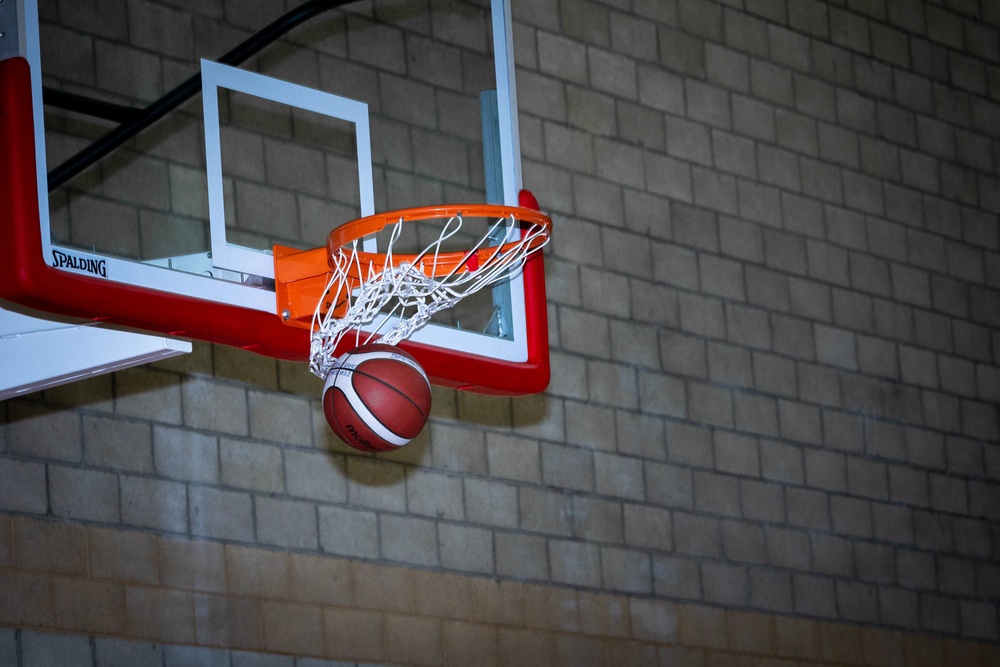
[771,436]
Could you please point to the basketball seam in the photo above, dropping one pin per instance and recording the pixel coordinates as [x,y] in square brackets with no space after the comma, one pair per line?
[395,355]
[337,424]
[368,418]
[359,414]
[341,380]
[383,382]
[359,406]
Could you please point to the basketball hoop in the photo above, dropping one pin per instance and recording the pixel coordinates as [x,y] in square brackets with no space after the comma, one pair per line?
[400,292]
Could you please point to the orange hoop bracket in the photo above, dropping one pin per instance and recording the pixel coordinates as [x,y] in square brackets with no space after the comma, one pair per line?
[302,276]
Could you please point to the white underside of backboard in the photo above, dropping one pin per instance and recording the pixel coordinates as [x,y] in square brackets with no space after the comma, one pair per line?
[41,353]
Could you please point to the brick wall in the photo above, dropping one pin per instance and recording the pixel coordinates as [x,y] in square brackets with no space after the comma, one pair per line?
[771,435]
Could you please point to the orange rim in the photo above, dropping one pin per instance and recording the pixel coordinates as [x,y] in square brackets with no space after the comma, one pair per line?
[445,262]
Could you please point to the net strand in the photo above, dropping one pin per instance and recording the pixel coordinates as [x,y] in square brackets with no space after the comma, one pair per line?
[410,291]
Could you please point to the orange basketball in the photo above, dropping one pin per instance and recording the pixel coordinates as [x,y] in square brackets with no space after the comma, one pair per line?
[376,398]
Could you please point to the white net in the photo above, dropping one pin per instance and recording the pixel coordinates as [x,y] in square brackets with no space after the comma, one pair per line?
[392,299]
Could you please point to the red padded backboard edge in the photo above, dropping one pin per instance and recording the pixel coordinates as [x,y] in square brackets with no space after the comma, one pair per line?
[27,279]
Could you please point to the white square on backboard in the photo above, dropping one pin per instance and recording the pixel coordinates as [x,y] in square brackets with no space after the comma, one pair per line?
[215,76]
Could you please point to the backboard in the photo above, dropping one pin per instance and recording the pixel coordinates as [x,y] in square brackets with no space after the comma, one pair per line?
[157,157]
